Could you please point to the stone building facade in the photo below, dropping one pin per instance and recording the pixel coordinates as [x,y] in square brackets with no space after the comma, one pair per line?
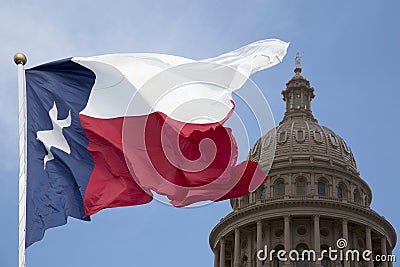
[314,197]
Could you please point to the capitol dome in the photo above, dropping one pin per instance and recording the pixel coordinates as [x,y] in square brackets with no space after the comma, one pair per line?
[299,141]
[314,197]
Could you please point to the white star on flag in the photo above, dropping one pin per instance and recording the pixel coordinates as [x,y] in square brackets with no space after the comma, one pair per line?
[55,137]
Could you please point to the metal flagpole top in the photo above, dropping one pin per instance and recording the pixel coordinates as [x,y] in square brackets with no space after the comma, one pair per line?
[20,58]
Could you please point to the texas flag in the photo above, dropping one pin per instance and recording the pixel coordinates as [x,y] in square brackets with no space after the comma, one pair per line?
[113,130]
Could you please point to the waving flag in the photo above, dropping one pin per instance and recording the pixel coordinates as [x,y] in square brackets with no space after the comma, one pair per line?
[108,131]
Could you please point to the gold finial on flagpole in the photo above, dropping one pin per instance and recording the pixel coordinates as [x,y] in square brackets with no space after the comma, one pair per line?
[20,58]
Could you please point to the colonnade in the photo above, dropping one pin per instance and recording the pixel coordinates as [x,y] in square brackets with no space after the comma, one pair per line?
[260,226]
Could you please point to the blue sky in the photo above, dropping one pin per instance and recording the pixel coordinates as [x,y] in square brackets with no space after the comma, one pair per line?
[351,58]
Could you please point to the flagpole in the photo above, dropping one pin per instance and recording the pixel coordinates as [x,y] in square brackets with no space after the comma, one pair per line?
[20,60]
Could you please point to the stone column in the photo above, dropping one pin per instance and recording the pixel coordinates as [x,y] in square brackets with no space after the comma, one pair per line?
[288,238]
[287,104]
[222,253]
[302,104]
[334,187]
[390,263]
[345,231]
[384,251]
[267,231]
[350,195]
[292,190]
[249,250]
[288,186]
[291,106]
[312,189]
[288,245]
[236,252]
[216,257]
[317,239]
[368,243]
[259,241]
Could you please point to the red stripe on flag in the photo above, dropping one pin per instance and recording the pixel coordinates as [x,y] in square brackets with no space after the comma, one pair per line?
[186,162]
[111,184]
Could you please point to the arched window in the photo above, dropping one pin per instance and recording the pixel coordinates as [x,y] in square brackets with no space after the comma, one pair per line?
[282,137]
[290,102]
[305,101]
[280,188]
[297,99]
[333,139]
[322,187]
[245,201]
[318,136]
[300,135]
[341,191]
[366,201]
[302,262]
[325,262]
[254,150]
[357,196]
[261,192]
[346,147]
[276,262]
[244,260]
[267,141]
[301,187]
